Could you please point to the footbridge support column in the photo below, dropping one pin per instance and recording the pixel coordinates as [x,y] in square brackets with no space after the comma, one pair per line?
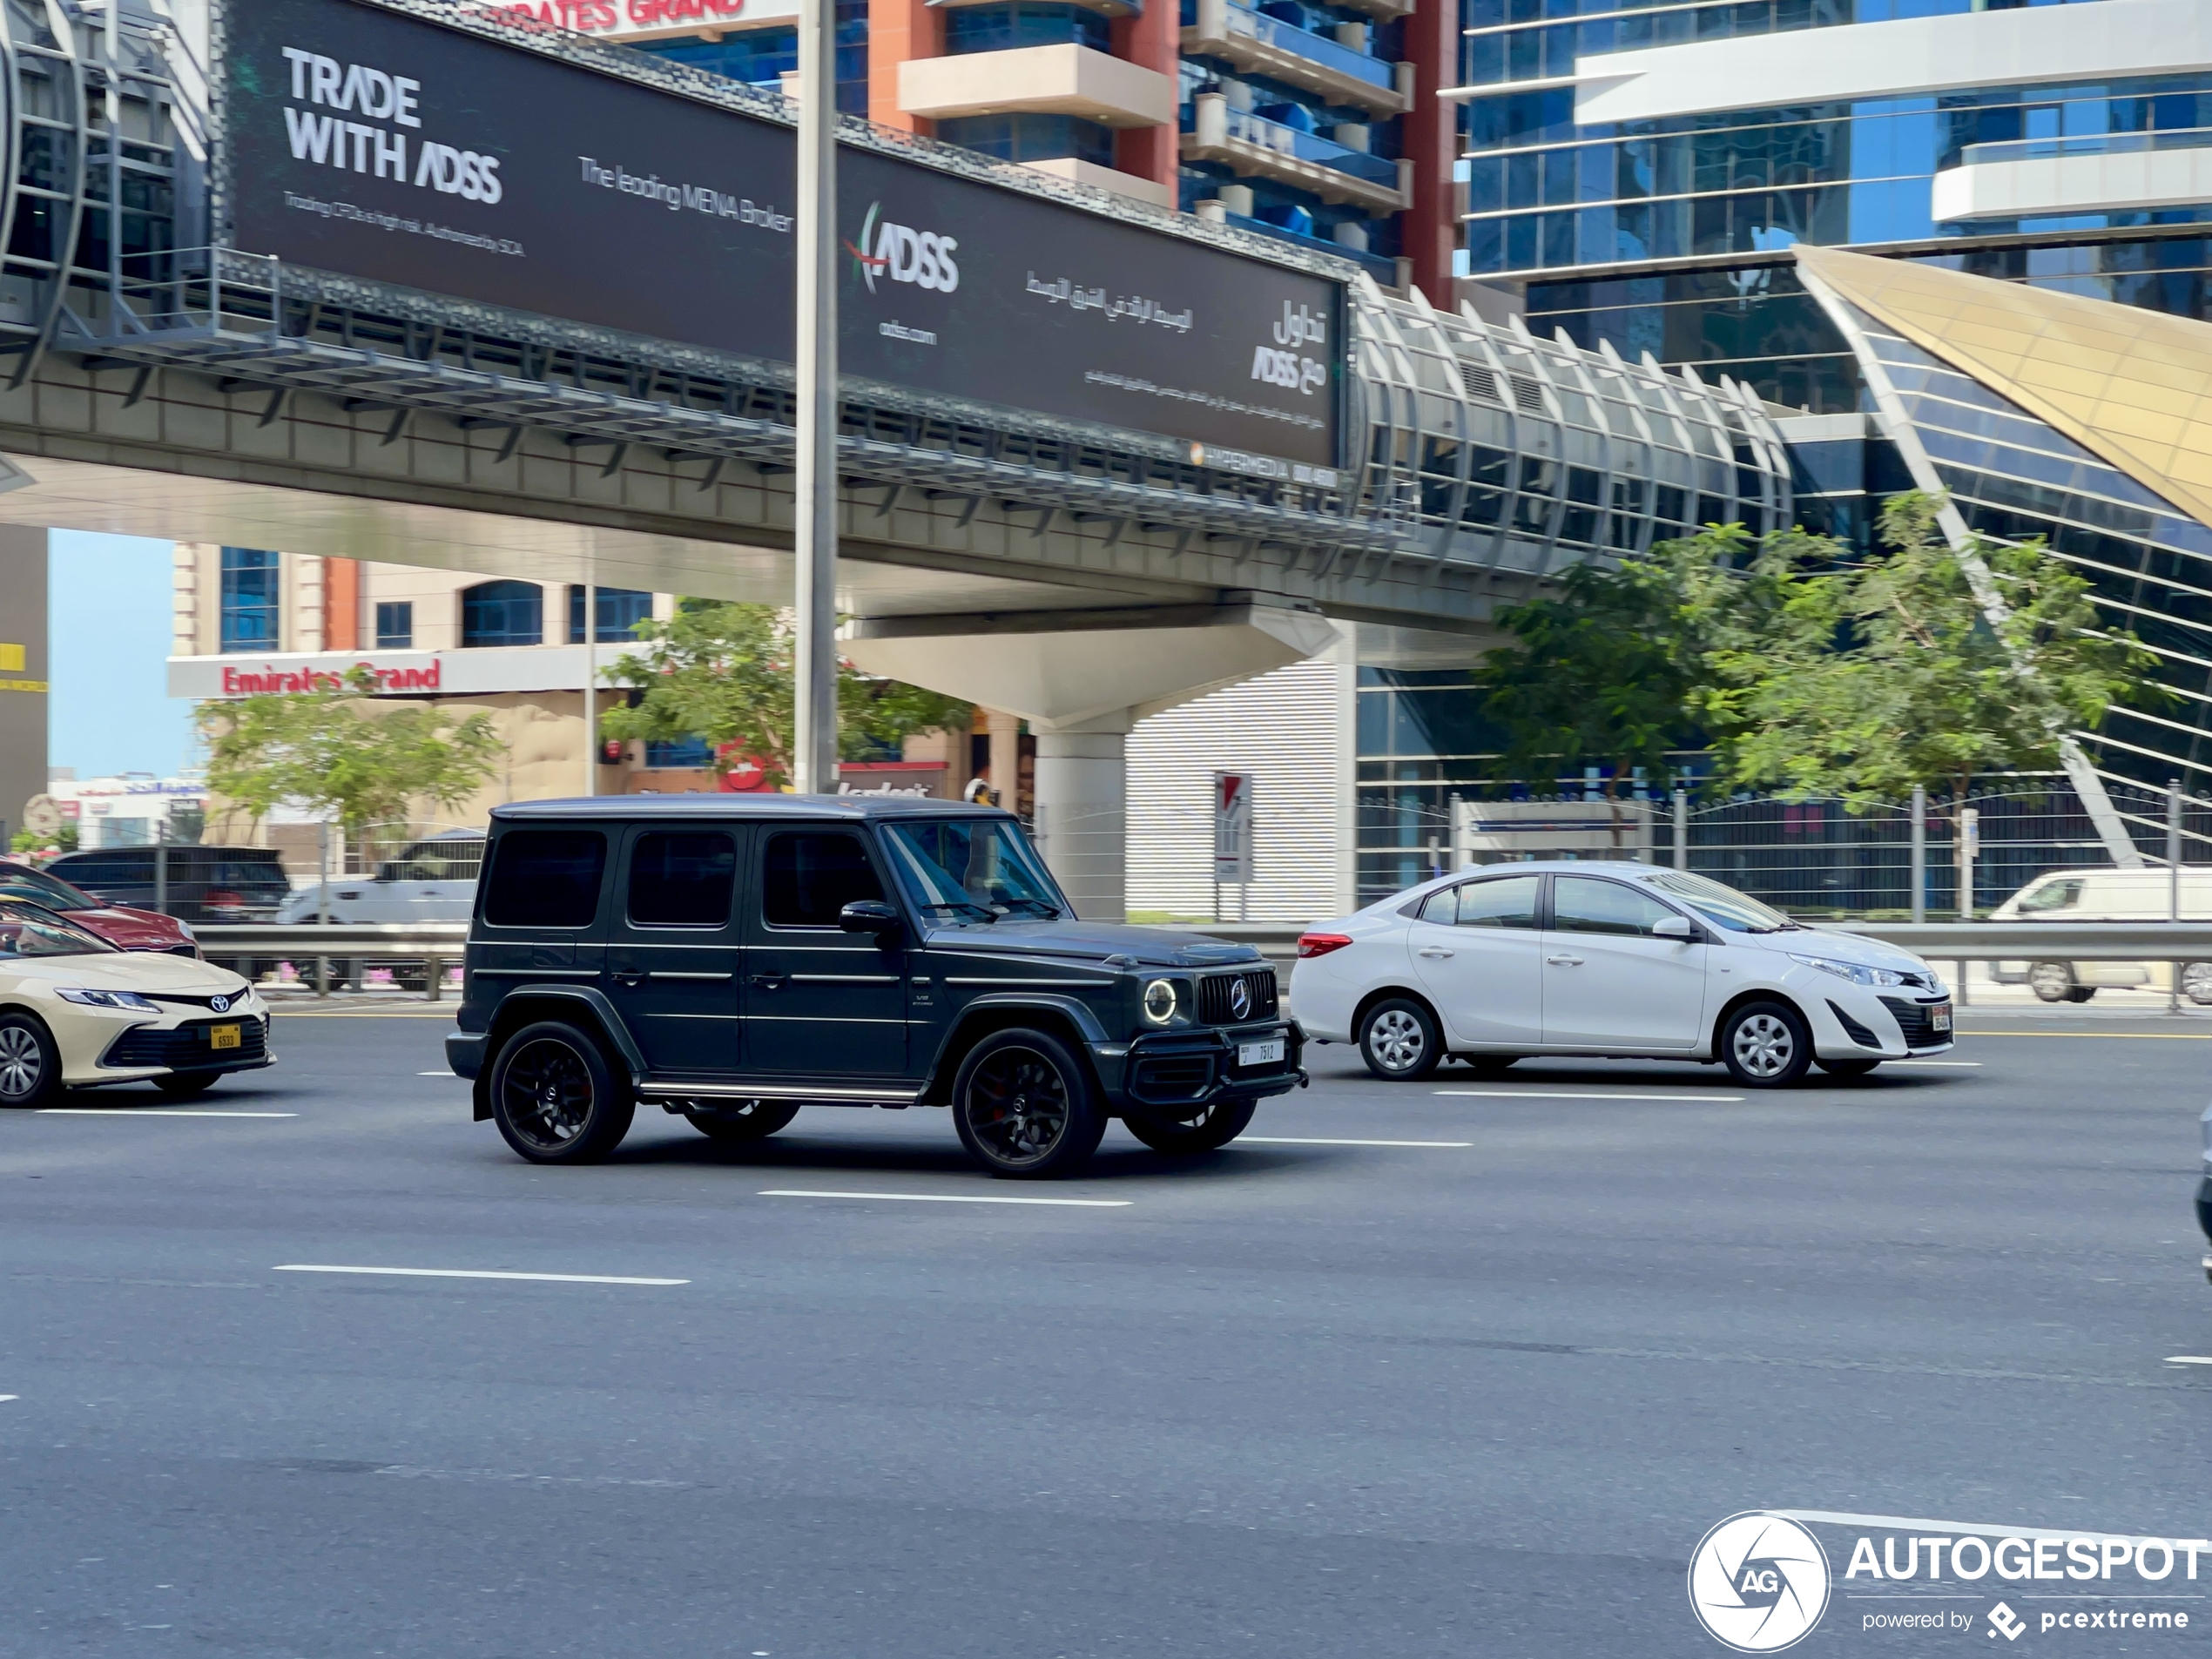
[1082,678]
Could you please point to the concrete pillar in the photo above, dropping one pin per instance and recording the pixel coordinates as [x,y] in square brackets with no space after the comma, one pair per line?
[1006,758]
[1082,812]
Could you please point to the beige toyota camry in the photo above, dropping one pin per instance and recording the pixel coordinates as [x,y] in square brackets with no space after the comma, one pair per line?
[75,1011]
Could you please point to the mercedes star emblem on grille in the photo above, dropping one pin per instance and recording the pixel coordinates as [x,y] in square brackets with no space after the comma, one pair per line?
[1240,999]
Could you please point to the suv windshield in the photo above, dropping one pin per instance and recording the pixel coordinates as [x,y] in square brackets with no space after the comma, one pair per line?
[28,931]
[1736,912]
[976,868]
[19,881]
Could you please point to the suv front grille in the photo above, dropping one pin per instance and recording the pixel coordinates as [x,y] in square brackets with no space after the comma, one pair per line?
[186,1046]
[1913,1020]
[1216,995]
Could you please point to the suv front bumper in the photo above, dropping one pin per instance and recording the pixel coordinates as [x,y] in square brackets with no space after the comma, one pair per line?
[1180,1073]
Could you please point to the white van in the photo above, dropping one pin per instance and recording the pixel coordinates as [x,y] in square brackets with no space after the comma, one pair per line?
[2104,894]
[433,879]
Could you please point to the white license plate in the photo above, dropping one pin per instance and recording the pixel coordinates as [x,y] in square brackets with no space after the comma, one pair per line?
[1939,1017]
[1260,1053]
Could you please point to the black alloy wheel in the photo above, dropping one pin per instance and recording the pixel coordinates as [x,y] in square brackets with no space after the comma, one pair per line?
[30,1071]
[1025,1107]
[755,1120]
[1399,1040]
[1211,1129]
[555,1098]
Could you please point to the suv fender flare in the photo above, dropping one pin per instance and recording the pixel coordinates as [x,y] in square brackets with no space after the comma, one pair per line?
[584,998]
[957,1040]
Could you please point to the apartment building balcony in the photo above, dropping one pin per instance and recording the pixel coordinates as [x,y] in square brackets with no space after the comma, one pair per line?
[2102,172]
[1252,146]
[1055,80]
[1263,45]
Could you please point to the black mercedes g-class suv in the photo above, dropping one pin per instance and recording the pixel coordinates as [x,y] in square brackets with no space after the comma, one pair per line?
[734,960]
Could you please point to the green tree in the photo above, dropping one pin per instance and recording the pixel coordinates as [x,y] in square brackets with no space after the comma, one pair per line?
[340,750]
[721,671]
[1924,664]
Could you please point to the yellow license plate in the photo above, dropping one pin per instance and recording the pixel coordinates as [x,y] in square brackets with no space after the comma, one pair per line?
[224,1036]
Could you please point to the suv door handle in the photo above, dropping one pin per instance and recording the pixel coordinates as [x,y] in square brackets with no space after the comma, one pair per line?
[633,979]
[1434,950]
[769,981]
[1564,961]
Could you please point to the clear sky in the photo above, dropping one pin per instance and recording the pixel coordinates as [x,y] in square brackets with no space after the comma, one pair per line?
[108,710]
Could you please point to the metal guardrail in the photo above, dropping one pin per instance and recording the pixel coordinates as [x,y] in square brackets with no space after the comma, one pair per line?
[435,944]
[440,943]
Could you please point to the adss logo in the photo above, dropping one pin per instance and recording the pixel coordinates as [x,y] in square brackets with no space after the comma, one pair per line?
[898,254]
[1758,1583]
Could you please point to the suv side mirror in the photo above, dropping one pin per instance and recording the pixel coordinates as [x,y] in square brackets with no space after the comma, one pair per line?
[869,917]
[1674,927]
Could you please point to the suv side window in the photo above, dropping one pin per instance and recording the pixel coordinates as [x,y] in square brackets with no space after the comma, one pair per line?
[1582,905]
[807,876]
[546,879]
[682,878]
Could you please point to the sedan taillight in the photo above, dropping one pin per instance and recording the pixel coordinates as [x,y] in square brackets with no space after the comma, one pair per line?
[1321,944]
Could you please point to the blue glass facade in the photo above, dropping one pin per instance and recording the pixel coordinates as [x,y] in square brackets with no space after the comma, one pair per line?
[1670,236]
[252,599]
[762,57]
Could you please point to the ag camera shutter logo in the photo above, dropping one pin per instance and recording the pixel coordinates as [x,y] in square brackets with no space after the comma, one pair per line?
[898,254]
[1758,1583]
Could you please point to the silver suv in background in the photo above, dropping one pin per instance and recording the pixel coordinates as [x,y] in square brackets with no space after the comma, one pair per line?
[432,880]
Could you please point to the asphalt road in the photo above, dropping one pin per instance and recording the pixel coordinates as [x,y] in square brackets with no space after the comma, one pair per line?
[1481,1394]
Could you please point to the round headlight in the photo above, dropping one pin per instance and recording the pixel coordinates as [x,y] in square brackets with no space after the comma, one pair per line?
[1159,1001]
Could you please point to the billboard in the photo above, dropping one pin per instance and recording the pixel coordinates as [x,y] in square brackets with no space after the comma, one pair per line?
[377,144]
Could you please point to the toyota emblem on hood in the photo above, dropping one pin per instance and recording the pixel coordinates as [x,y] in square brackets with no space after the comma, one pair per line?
[1240,999]
[220,1004]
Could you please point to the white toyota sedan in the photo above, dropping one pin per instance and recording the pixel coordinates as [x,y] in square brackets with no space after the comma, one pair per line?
[1612,960]
[74,1009]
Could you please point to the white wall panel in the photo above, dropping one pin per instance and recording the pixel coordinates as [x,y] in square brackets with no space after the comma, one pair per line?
[2033,45]
[1288,730]
[2040,186]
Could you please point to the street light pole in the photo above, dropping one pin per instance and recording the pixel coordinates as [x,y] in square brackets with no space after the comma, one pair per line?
[814,506]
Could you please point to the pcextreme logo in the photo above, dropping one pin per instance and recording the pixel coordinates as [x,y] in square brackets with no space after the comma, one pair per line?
[1758,1583]
[898,254]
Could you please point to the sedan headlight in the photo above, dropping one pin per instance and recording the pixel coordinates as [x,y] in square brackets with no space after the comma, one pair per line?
[184,928]
[92,999]
[1160,1000]
[1857,973]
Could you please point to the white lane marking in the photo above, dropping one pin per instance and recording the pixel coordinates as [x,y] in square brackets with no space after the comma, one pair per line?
[2189,1360]
[442,1071]
[5,1397]
[147,1111]
[1320,1139]
[471,1272]
[1568,1094]
[1922,1524]
[1955,1065]
[950,1197]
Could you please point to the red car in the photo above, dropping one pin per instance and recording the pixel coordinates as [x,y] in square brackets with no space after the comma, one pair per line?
[120,925]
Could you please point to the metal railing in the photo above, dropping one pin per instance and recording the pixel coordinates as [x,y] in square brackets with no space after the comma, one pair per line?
[1284,140]
[1303,43]
[435,945]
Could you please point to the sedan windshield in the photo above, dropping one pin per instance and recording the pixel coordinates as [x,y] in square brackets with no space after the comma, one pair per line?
[975,869]
[26,930]
[1736,912]
[18,882]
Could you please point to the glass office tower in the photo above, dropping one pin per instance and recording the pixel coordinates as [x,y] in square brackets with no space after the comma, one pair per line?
[1638,172]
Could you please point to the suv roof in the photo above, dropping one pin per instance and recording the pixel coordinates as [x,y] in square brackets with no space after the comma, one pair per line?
[857,807]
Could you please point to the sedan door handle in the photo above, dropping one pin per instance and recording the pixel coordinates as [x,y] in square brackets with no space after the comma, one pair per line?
[1434,950]
[1564,961]
[769,981]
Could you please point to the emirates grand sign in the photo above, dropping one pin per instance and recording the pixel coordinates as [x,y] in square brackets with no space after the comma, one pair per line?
[402,673]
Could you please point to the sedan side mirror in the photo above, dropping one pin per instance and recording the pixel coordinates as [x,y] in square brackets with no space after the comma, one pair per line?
[869,917]
[1674,927]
